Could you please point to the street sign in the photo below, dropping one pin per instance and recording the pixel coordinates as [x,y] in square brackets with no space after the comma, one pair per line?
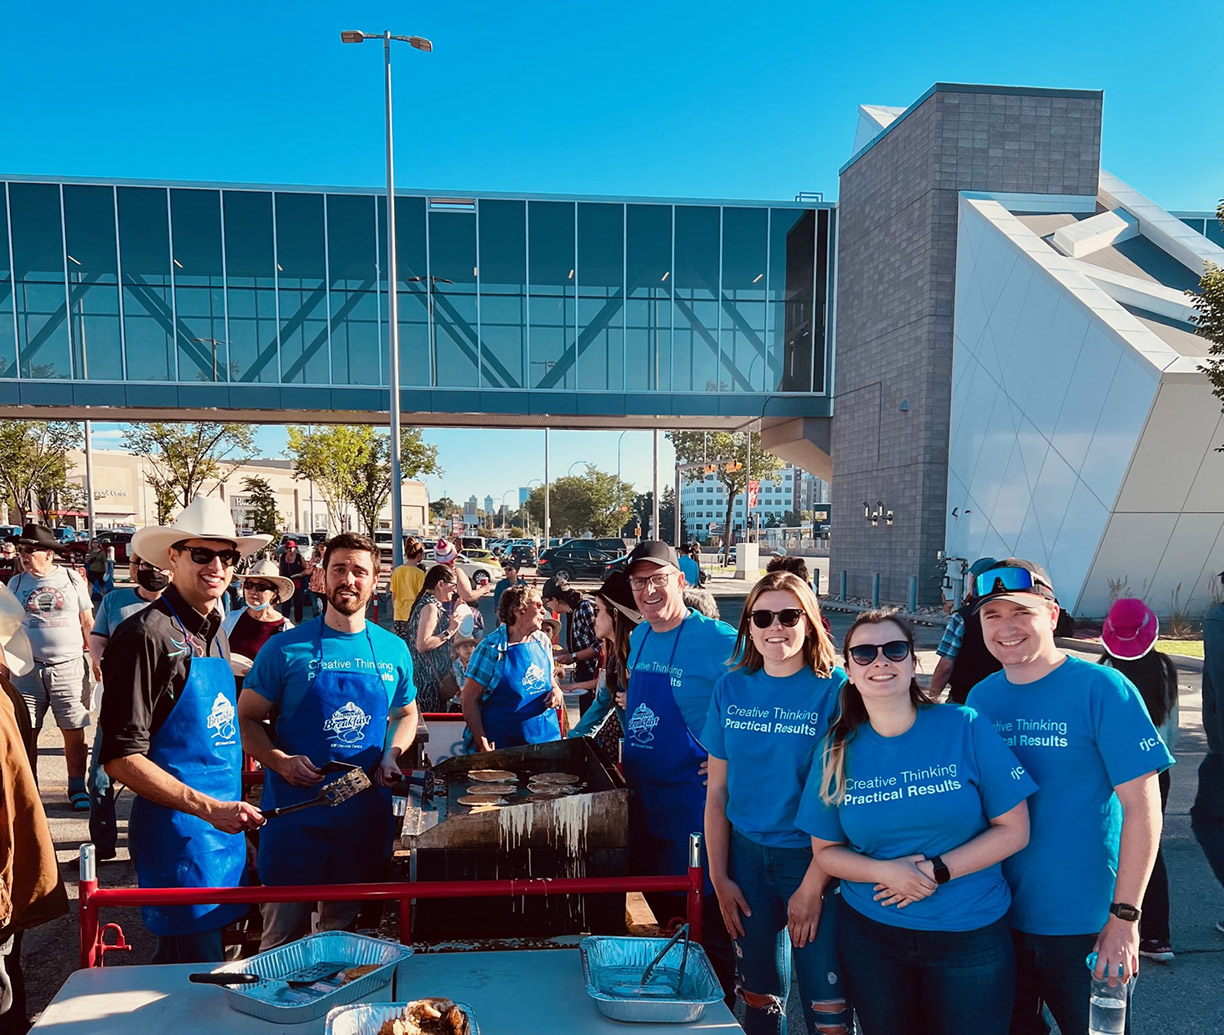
[754,489]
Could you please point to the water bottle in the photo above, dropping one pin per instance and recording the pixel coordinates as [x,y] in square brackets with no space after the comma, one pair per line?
[1107,1003]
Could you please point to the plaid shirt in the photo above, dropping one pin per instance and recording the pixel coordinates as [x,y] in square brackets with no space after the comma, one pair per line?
[488,663]
[954,635]
[582,637]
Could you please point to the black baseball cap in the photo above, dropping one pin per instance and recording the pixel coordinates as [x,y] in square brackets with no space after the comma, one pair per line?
[1012,578]
[652,551]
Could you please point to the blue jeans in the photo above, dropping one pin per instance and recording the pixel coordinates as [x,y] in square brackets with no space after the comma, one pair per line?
[205,947]
[768,877]
[1051,970]
[103,826]
[928,982]
[1207,814]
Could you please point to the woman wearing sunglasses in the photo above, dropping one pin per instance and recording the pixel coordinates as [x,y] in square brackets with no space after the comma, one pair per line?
[251,626]
[914,807]
[768,716]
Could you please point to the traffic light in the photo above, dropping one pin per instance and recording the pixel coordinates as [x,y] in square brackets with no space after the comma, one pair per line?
[733,466]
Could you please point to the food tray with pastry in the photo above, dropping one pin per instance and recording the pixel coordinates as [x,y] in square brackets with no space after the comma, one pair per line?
[357,968]
[434,1016]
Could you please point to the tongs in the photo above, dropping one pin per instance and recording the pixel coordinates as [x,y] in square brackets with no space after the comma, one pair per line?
[663,989]
[352,783]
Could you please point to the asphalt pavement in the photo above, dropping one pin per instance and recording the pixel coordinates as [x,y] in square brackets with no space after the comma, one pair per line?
[1181,997]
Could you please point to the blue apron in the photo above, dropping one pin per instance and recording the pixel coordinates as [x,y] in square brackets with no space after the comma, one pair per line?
[517,710]
[661,758]
[198,745]
[343,718]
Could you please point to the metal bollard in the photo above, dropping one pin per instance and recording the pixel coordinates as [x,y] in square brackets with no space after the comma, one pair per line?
[842,594]
[913,594]
[816,581]
[875,589]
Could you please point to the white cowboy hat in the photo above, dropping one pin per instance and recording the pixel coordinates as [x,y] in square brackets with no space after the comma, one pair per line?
[206,517]
[269,571]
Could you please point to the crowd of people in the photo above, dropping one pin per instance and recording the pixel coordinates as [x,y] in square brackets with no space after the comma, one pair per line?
[918,866]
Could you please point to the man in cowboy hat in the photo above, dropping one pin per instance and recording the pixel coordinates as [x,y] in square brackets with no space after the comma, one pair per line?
[170,730]
[345,692]
[59,619]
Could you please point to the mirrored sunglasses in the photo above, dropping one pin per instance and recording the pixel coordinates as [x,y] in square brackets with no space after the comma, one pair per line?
[1008,580]
[865,653]
[763,618]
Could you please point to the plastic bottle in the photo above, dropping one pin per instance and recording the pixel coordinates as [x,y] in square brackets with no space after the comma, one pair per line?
[1107,1003]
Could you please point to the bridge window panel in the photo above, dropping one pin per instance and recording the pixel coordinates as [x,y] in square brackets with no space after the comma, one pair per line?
[8,334]
[410,258]
[503,293]
[250,266]
[93,282]
[792,267]
[552,318]
[148,304]
[648,284]
[695,367]
[301,251]
[820,303]
[601,296]
[353,265]
[40,296]
[199,285]
[745,259]
[451,298]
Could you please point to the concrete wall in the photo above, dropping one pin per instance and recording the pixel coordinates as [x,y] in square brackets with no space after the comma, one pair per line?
[897,249]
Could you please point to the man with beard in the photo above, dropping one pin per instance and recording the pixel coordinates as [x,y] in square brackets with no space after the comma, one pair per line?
[169,731]
[345,693]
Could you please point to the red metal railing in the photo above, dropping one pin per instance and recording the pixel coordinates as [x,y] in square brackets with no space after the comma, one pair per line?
[92,898]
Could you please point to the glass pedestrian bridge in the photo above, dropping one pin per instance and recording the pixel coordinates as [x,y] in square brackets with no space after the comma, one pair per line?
[161,300]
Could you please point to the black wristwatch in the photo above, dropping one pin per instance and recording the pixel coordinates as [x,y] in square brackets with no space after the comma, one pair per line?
[1126,912]
[942,876]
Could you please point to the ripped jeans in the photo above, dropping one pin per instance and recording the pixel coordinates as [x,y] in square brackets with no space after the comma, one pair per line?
[768,876]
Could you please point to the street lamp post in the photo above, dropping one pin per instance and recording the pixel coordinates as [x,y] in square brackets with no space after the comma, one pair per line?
[504,495]
[572,466]
[619,438]
[214,343]
[397,488]
[547,514]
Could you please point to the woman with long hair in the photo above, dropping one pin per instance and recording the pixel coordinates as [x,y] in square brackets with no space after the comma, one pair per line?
[581,639]
[1129,636]
[768,716]
[914,806]
[430,631]
[616,616]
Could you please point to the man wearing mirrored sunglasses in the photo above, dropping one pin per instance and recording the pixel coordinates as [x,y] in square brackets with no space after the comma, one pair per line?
[170,730]
[675,657]
[1083,734]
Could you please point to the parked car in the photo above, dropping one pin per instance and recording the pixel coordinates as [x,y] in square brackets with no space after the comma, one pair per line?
[571,562]
[8,530]
[611,545]
[119,540]
[479,572]
[65,533]
[616,565]
[523,556]
[302,540]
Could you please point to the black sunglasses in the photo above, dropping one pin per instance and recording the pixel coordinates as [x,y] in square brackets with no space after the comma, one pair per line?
[865,653]
[763,618]
[259,587]
[203,555]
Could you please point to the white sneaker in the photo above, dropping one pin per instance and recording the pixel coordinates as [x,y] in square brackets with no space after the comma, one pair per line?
[1220,926]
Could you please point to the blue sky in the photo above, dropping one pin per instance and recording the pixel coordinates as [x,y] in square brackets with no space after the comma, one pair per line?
[687,99]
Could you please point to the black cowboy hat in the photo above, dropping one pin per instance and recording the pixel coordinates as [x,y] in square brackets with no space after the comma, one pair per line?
[38,536]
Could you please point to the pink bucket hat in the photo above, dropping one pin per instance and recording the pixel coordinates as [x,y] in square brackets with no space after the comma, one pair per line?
[1130,629]
[445,552]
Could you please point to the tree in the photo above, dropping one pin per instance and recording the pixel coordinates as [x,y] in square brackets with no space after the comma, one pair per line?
[579,504]
[1209,303]
[443,508]
[163,498]
[185,456]
[733,455]
[639,515]
[265,518]
[32,458]
[351,466]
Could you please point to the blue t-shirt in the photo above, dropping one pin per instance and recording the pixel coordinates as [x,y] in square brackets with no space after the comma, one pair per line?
[1080,731]
[692,573]
[936,786]
[768,729]
[288,662]
[117,605]
[701,655]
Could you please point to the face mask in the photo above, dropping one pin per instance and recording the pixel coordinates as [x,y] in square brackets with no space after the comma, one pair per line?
[152,579]
[259,607]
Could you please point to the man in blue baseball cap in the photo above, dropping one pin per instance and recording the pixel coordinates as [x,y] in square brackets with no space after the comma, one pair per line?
[1083,734]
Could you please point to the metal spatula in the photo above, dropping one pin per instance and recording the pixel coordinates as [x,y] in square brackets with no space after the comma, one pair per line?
[332,794]
[299,978]
[664,987]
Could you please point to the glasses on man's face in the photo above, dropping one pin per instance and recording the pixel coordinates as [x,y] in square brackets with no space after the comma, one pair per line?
[763,618]
[202,555]
[637,584]
[865,653]
[25,551]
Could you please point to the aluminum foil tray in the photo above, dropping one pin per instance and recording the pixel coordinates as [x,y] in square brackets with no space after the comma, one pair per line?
[272,1000]
[610,961]
[367,1018]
